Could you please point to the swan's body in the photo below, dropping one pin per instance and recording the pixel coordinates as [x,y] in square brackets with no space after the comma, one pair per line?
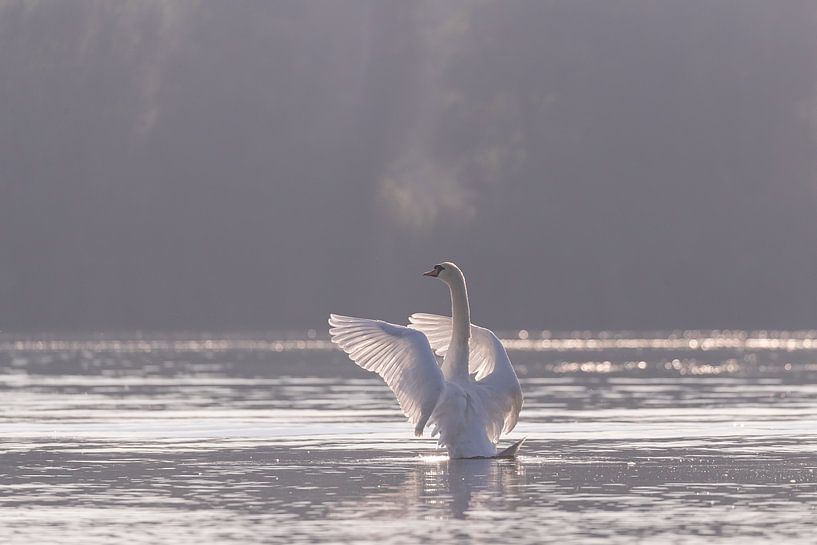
[469,400]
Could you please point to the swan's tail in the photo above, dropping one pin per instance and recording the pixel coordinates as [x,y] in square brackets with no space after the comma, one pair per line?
[510,452]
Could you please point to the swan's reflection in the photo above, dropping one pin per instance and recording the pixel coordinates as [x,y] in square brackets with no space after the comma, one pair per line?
[460,485]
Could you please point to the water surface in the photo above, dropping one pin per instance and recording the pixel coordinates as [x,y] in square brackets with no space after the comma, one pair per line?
[682,437]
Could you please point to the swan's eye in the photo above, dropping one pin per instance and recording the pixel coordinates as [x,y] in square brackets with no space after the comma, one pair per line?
[439,268]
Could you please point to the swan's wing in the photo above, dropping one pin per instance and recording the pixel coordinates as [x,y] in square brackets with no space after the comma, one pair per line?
[438,331]
[487,360]
[484,349]
[400,355]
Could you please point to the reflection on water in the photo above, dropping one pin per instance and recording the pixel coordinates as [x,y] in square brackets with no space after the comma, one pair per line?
[237,441]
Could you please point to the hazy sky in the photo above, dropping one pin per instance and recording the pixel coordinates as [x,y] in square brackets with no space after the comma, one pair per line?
[257,164]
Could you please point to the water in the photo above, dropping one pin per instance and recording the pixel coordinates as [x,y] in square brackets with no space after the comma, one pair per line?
[686,437]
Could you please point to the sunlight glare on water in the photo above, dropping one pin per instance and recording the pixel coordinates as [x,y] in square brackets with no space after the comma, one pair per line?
[682,437]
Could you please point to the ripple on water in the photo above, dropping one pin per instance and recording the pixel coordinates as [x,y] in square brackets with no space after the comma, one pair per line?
[239,440]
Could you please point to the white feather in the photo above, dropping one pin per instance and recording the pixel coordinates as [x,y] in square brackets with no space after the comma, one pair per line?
[400,355]
[497,384]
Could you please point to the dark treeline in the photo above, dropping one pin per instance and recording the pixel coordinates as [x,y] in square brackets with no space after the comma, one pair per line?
[248,164]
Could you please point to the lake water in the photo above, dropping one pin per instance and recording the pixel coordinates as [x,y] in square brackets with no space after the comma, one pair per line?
[682,437]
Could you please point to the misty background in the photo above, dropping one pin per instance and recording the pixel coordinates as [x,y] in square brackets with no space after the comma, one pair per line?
[248,164]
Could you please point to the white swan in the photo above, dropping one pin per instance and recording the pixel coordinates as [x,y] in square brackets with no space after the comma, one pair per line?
[468,413]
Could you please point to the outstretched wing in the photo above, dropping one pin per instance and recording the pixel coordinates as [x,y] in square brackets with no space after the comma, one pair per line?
[487,359]
[400,355]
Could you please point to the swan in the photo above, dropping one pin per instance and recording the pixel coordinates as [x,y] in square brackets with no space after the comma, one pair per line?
[470,399]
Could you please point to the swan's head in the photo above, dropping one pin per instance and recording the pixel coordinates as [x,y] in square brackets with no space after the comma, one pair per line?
[446,271]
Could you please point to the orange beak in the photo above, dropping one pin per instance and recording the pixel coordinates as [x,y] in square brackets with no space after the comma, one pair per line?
[432,272]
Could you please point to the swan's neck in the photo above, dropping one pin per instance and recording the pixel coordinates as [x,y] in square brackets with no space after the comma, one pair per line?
[460,312]
[456,361]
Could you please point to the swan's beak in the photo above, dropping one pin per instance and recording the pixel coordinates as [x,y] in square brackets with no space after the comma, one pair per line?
[432,272]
